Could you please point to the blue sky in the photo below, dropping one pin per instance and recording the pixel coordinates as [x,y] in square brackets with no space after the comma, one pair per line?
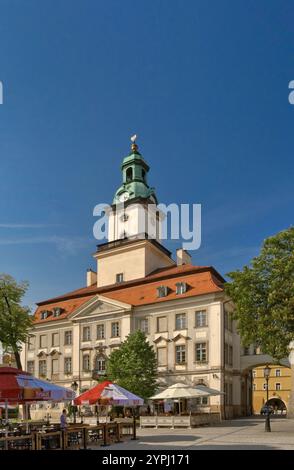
[204,84]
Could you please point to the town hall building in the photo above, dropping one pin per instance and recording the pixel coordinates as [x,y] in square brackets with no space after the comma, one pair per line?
[181,308]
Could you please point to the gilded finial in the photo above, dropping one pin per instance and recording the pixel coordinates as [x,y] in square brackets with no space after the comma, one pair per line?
[134,146]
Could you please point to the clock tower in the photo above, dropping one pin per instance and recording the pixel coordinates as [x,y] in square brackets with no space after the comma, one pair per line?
[134,209]
[133,249]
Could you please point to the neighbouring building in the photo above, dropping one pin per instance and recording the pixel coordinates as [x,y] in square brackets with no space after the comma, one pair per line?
[181,308]
[279,388]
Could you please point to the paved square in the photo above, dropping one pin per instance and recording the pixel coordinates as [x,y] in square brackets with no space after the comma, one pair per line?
[244,433]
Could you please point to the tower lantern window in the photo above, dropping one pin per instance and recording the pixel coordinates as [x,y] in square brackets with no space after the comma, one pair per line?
[129,174]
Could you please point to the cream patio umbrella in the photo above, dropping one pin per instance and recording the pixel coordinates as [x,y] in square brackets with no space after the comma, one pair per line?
[179,390]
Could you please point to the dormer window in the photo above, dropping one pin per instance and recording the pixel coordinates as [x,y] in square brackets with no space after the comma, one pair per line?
[44,314]
[57,311]
[181,288]
[162,291]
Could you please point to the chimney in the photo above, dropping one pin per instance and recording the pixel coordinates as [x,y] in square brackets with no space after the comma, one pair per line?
[91,278]
[183,257]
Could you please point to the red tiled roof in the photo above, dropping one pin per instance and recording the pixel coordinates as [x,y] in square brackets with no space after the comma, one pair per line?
[197,284]
[67,306]
[200,280]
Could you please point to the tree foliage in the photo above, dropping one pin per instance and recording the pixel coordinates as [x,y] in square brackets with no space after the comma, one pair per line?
[134,366]
[263,294]
[15,320]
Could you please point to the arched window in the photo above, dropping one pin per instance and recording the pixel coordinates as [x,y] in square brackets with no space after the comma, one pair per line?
[143,174]
[129,174]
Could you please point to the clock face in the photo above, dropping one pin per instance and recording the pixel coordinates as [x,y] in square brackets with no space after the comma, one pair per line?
[124,196]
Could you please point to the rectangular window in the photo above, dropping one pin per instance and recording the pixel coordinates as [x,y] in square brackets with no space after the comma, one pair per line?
[254,373]
[161,324]
[55,339]
[180,321]
[254,387]
[43,341]
[201,352]
[202,401]
[86,333]
[180,354]
[200,318]
[55,368]
[144,325]
[119,278]
[68,338]
[100,365]
[181,288]
[161,357]
[115,329]
[278,372]
[86,362]
[67,365]
[278,386]
[31,343]
[31,367]
[100,331]
[42,368]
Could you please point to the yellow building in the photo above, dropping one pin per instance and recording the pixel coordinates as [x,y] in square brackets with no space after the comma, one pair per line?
[279,387]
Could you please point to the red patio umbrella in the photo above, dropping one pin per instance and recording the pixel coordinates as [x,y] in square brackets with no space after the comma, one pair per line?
[92,396]
[11,391]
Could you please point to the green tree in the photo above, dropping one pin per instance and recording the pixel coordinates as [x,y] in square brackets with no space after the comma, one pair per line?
[15,320]
[263,294]
[134,366]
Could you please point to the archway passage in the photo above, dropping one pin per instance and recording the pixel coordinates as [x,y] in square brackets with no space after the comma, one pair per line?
[278,405]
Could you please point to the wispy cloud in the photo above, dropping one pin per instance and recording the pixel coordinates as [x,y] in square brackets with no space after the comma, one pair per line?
[66,245]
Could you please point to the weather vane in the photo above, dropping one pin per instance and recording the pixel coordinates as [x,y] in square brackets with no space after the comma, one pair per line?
[134,146]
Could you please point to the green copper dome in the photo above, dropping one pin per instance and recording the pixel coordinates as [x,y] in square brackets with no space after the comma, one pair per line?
[134,170]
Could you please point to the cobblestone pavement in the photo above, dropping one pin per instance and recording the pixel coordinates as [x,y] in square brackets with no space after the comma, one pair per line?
[244,433]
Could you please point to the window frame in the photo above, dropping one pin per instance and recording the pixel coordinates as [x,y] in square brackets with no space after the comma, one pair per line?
[179,317]
[88,336]
[199,312]
[181,353]
[67,359]
[86,369]
[67,333]
[100,325]
[201,360]
[118,329]
[119,277]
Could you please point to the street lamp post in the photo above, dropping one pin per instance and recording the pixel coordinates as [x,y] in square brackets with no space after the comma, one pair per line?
[266,373]
[74,387]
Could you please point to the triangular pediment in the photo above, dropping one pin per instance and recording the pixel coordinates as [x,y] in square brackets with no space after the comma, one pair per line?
[161,338]
[99,305]
[180,336]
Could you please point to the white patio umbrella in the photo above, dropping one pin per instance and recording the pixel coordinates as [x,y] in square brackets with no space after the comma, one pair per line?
[179,390]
